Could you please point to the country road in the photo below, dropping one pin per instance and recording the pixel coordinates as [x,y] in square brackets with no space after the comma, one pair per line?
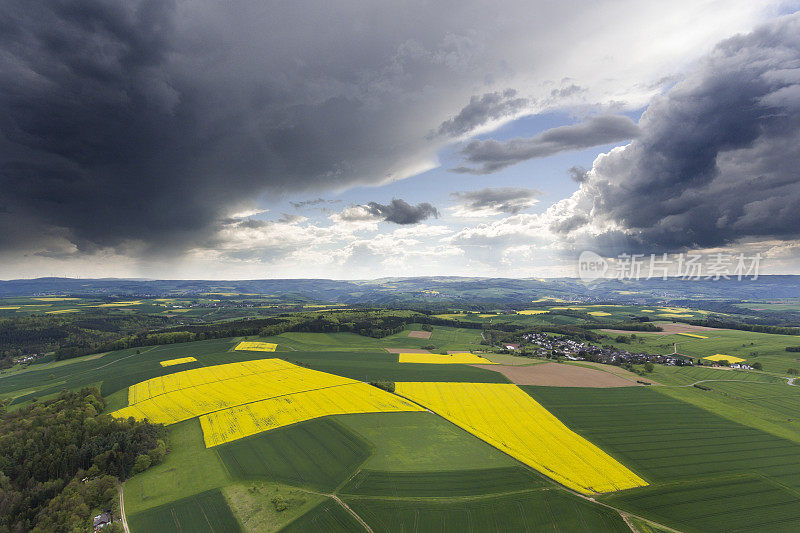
[122,510]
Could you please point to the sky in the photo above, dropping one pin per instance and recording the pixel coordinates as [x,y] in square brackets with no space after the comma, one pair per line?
[192,139]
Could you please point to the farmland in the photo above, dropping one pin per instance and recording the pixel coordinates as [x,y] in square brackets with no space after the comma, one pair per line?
[675,446]
[203,512]
[319,455]
[530,511]
[285,432]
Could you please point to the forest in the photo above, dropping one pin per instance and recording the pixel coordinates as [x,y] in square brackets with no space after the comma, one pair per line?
[62,460]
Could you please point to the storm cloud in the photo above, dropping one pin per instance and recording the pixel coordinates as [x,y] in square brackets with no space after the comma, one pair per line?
[140,128]
[718,159]
[492,155]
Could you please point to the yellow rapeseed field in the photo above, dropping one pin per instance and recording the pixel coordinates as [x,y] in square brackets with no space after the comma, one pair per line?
[118,304]
[253,346]
[723,357]
[509,419]
[54,299]
[61,311]
[259,391]
[532,312]
[10,307]
[599,313]
[180,361]
[693,335]
[439,359]
[675,315]
[230,424]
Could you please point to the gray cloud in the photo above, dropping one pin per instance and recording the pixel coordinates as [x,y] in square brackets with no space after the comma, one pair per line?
[718,157]
[401,212]
[480,110]
[492,155]
[509,200]
[578,174]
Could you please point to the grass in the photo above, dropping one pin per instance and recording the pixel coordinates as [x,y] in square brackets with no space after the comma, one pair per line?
[753,408]
[687,375]
[420,442]
[319,454]
[541,510]
[776,398]
[328,517]
[666,441]
[254,504]
[190,468]
[443,484]
[207,511]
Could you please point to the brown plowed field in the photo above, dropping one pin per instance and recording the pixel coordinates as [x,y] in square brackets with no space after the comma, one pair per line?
[560,375]
[669,329]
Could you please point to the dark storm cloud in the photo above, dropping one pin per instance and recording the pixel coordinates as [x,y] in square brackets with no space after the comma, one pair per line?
[401,212]
[510,200]
[140,126]
[480,110]
[492,155]
[718,157]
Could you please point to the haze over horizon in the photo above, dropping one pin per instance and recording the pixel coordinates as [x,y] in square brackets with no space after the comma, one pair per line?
[192,140]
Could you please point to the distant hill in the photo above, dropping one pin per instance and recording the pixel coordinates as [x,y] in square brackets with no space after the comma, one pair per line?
[438,289]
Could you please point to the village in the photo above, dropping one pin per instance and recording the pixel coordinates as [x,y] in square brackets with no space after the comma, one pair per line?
[544,345]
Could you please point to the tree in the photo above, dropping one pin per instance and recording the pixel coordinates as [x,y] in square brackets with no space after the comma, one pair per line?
[142,463]
[648,367]
[757,366]
[792,371]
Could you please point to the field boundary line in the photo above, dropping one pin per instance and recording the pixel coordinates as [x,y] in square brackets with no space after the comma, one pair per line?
[352,512]
[626,519]
[448,499]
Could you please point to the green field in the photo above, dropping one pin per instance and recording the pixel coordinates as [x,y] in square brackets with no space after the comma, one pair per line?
[203,512]
[776,398]
[539,510]
[687,375]
[768,407]
[329,516]
[442,484]
[666,440]
[190,468]
[442,338]
[418,442]
[319,454]
[741,503]
[254,504]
